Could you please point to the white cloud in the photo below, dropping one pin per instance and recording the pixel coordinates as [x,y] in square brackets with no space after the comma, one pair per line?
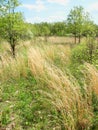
[93,7]
[38,6]
[61,2]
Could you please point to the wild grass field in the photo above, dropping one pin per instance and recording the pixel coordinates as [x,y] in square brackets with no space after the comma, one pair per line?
[47,87]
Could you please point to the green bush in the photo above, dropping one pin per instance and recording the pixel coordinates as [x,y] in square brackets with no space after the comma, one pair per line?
[80,54]
[84,52]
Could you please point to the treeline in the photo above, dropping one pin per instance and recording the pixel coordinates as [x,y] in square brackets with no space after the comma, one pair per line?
[49,29]
[56,29]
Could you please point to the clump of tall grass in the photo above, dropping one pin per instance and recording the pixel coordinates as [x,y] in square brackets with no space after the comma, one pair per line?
[36,61]
[12,67]
[63,92]
[57,54]
[4,46]
[93,77]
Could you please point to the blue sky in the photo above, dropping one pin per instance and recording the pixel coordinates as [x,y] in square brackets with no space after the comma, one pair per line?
[36,11]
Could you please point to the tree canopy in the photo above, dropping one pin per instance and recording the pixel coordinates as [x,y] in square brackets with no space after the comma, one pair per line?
[11,22]
[78,22]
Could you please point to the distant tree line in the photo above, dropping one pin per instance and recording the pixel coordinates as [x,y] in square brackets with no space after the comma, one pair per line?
[49,29]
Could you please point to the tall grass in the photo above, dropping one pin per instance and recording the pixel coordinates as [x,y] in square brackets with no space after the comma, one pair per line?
[59,88]
[64,93]
[12,68]
[93,76]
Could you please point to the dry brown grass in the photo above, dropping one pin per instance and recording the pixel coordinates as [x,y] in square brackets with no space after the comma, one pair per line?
[60,52]
[63,91]
[12,68]
[35,61]
[59,40]
[93,73]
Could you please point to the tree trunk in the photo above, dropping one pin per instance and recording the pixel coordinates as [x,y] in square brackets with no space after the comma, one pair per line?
[79,38]
[12,44]
[13,50]
[75,39]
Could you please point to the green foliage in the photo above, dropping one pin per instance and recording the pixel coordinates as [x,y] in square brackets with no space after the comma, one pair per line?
[44,28]
[59,29]
[12,26]
[49,29]
[84,52]
[90,29]
[80,54]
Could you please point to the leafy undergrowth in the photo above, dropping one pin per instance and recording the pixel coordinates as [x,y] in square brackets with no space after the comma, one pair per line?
[23,107]
[37,92]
